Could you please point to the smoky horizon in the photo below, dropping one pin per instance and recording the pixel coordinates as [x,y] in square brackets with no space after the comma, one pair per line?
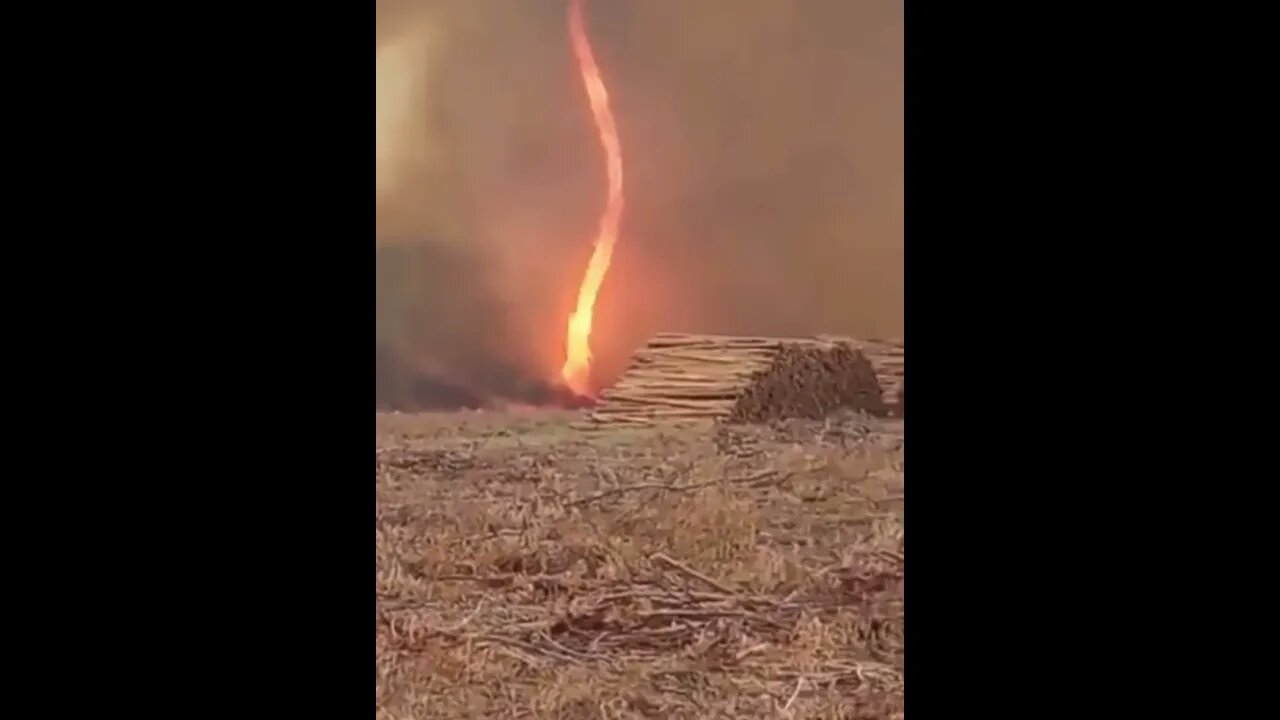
[763,153]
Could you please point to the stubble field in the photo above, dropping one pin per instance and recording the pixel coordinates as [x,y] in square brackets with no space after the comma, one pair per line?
[527,569]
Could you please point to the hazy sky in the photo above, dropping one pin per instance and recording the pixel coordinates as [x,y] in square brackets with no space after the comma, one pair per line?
[763,154]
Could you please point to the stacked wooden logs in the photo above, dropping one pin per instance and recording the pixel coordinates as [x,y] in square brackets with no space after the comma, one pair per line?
[684,377]
[679,377]
[888,359]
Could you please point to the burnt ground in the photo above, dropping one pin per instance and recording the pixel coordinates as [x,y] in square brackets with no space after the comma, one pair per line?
[526,569]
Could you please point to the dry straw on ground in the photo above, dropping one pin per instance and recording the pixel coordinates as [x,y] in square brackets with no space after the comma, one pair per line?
[527,571]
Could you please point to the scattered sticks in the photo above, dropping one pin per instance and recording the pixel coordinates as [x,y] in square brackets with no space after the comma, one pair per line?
[690,572]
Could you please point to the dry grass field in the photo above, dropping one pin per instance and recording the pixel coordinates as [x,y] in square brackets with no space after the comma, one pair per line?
[526,569]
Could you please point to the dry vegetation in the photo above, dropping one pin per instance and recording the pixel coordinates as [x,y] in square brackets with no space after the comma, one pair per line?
[529,570]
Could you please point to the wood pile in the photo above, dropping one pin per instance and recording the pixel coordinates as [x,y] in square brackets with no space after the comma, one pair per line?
[680,377]
[887,357]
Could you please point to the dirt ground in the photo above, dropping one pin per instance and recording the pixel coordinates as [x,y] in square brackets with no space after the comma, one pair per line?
[527,569]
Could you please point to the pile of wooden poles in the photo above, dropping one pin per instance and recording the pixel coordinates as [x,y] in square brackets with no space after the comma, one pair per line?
[679,377]
[887,357]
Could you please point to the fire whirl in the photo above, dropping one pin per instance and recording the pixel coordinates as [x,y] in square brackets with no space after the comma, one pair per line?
[577,365]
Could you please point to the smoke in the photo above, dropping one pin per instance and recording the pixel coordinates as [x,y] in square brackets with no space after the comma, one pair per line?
[764,170]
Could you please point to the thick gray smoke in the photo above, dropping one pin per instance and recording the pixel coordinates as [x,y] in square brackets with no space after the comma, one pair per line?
[763,152]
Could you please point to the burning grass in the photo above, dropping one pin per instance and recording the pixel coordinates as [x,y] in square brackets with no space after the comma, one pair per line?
[528,570]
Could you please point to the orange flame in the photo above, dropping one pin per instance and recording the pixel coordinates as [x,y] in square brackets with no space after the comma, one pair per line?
[577,365]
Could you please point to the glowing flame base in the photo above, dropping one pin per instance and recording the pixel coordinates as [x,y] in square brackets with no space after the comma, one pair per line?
[577,365]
